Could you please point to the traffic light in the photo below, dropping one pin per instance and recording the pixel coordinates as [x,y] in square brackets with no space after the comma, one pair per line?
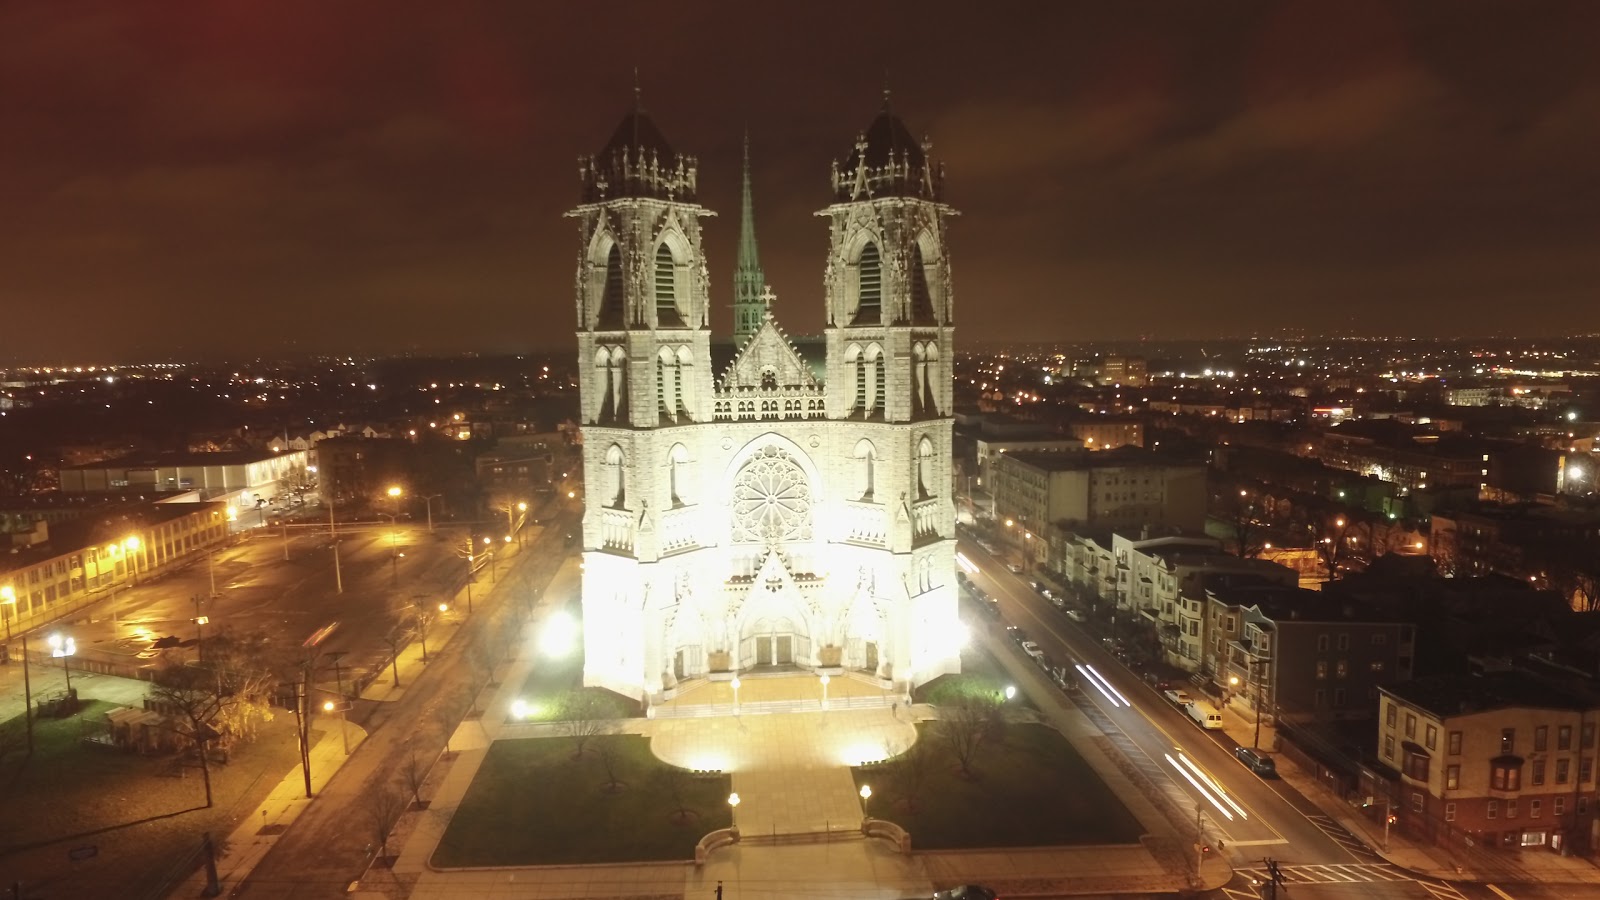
[1393,818]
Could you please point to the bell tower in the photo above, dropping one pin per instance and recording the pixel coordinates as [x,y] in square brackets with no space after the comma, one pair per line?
[642,307]
[890,309]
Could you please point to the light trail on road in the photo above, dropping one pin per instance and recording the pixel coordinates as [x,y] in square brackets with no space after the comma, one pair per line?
[1199,787]
[1212,782]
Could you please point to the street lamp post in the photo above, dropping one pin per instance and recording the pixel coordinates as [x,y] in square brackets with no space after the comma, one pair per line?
[344,733]
[733,810]
[866,798]
[64,648]
[333,535]
[429,498]
[522,507]
[824,690]
[199,628]
[735,685]
[130,546]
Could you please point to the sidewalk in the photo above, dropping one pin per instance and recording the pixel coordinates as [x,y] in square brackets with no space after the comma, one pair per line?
[258,832]
[1433,861]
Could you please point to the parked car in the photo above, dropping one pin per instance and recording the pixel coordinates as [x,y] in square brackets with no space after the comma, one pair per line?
[1015,569]
[1204,714]
[1179,697]
[1077,616]
[1016,634]
[1257,762]
[1032,649]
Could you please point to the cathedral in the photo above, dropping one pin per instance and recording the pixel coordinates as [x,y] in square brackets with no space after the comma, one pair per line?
[771,503]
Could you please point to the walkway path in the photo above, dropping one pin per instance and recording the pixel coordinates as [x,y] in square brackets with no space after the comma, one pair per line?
[791,772]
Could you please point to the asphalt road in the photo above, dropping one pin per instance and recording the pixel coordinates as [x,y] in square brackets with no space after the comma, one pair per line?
[331,843]
[1319,858]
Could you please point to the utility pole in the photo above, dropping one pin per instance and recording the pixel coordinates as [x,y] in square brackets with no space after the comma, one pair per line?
[27,693]
[199,628]
[1388,819]
[333,532]
[302,720]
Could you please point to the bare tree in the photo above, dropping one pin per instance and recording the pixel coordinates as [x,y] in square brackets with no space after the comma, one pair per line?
[608,750]
[383,805]
[966,726]
[1242,512]
[447,713]
[481,658]
[1331,542]
[908,773]
[672,783]
[415,774]
[221,700]
[583,716]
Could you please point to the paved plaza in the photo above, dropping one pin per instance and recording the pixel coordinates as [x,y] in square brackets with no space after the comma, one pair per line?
[799,814]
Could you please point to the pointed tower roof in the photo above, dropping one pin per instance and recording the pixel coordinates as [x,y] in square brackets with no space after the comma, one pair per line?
[749,282]
[749,257]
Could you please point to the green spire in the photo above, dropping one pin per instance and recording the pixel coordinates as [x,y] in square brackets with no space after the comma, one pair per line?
[749,309]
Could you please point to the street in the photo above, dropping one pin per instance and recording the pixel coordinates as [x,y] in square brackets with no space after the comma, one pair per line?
[1256,818]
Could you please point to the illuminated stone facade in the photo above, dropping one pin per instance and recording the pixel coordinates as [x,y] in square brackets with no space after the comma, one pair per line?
[774,513]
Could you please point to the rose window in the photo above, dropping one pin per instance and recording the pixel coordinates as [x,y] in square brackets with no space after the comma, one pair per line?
[771,500]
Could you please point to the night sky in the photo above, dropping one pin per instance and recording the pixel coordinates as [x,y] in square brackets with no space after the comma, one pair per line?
[252,178]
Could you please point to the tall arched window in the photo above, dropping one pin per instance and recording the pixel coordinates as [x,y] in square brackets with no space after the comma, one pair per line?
[607,409]
[921,299]
[867,460]
[667,289]
[875,369]
[677,465]
[924,468]
[666,379]
[615,483]
[611,296]
[869,287]
[680,373]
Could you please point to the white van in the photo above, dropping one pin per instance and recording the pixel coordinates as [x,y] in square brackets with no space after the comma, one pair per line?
[1204,714]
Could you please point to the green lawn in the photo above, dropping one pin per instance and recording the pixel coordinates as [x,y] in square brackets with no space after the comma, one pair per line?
[531,803]
[551,680]
[1032,790]
[140,813]
[980,674]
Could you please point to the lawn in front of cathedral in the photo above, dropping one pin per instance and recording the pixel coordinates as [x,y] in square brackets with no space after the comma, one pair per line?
[534,803]
[1026,787]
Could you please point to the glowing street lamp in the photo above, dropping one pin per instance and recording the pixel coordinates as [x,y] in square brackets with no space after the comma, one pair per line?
[735,686]
[733,810]
[1011,691]
[825,690]
[866,797]
[64,648]
[131,545]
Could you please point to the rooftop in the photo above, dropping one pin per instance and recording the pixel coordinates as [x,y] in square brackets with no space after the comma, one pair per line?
[1452,695]
[179,458]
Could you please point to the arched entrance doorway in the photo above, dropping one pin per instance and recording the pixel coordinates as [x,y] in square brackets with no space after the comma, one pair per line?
[774,642]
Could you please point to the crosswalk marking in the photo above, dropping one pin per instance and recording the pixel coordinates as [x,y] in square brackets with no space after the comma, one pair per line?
[1344,873]
[1441,891]
[1341,836]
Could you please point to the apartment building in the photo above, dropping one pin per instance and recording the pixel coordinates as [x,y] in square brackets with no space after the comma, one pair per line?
[1503,759]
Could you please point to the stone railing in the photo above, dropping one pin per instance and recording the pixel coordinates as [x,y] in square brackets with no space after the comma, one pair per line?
[616,529]
[678,529]
[716,840]
[746,403]
[880,828]
[864,523]
[925,518]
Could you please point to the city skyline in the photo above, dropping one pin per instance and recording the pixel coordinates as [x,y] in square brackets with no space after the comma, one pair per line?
[351,183]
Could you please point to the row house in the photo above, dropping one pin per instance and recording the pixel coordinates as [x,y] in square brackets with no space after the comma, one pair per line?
[1500,759]
[1278,649]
